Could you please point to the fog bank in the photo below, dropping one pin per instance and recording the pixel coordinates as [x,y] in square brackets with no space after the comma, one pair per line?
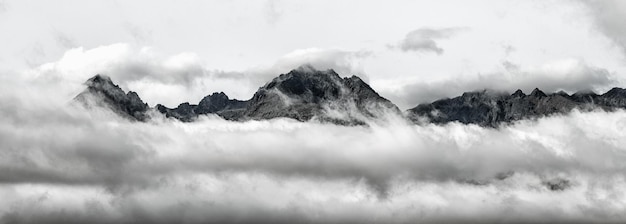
[62,163]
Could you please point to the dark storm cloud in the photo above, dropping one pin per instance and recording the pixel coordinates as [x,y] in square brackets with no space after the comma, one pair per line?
[425,39]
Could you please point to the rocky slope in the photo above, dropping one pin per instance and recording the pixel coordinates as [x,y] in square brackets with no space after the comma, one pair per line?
[308,94]
[216,103]
[302,94]
[487,108]
[102,92]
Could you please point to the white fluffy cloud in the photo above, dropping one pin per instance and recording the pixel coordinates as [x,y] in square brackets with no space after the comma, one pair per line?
[345,63]
[248,43]
[568,75]
[182,77]
[62,164]
[185,77]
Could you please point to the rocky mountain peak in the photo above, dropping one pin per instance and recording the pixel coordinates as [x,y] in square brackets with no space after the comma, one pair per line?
[213,103]
[518,93]
[103,84]
[101,91]
[584,96]
[537,93]
[357,86]
[473,108]
[616,92]
[99,79]
[214,97]
[306,92]
[307,83]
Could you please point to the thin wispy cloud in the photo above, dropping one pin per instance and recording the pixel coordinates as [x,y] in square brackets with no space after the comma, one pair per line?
[425,39]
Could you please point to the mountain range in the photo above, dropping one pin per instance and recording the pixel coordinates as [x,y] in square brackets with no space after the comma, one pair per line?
[306,94]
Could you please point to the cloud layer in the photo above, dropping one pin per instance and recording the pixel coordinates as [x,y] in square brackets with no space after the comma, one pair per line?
[182,77]
[568,75]
[65,164]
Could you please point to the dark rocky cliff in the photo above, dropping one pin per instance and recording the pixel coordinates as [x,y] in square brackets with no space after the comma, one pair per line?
[102,92]
[216,103]
[487,108]
[308,94]
[302,94]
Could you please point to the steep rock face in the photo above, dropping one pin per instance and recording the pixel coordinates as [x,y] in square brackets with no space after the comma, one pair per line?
[216,103]
[306,93]
[302,94]
[490,109]
[615,98]
[101,91]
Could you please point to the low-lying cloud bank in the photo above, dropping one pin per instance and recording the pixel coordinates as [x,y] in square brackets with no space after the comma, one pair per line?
[64,164]
[184,77]
[565,75]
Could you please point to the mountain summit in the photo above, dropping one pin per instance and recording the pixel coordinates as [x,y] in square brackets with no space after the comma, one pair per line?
[102,92]
[492,109]
[303,94]
[306,93]
[216,103]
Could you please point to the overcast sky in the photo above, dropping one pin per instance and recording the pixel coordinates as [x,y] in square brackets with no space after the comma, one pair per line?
[62,163]
[409,51]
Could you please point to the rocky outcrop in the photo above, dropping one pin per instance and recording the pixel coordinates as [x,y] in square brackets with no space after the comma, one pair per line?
[306,93]
[216,103]
[102,92]
[488,108]
[302,94]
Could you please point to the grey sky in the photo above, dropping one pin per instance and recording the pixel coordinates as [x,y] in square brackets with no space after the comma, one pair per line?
[425,39]
[254,38]
[62,164]
[610,18]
